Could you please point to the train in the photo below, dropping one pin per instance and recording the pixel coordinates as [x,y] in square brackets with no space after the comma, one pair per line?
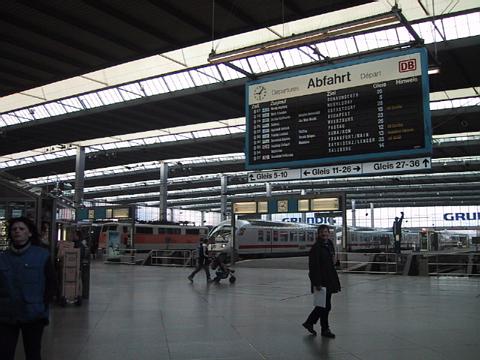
[261,237]
[151,236]
[264,238]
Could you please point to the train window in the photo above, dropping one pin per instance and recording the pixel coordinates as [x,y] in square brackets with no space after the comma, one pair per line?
[275,235]
[283,236]
[173,231]
[310,236]
[125,229]
[269,236]
[293,237]
[260,235]
[112,228]
[301,236]
[144,230]
[192,231]
[161,230]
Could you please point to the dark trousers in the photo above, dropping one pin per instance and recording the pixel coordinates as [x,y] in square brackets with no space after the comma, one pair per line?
[202,265]
[32,339]
[321,313]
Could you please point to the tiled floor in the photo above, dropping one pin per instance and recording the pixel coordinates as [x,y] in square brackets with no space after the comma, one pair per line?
[137,312]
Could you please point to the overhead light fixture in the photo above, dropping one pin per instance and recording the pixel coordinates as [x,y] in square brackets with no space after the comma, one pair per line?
[433,70]
[305,38]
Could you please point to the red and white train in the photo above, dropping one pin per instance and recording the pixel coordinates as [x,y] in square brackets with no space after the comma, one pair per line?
[153,237]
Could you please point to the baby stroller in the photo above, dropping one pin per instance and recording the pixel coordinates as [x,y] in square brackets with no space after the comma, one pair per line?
[221,270]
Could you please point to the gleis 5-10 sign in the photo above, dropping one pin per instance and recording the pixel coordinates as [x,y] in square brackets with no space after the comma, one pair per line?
[374,108]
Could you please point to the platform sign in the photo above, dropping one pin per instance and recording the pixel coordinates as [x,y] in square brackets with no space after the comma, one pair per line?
[376,108]
[331,171]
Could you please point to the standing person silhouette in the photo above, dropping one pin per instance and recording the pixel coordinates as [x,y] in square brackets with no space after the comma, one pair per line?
[322,274]
[397,233]
[27,284]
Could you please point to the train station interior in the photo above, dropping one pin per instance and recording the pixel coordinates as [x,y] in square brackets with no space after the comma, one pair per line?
[125,121]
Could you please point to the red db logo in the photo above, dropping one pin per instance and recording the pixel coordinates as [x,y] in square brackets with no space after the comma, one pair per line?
[407,65]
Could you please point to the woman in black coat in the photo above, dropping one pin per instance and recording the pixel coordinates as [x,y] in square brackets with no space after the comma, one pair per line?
[322,273]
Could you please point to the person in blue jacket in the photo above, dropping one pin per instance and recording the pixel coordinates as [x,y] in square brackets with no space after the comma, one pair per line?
[27,285]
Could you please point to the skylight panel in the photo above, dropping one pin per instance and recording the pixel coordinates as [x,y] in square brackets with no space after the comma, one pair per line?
[153,86]
[201,134]
[242,64]
[462,26]
[90,100]
[288,58]
[185,136]
[403,35]
[55,108]
[172,82]
[72,104]
[108,146]
[331,48]
[212,72]
[303,54]
[131,91]
[361,42]
[473,21]
[110,96]
[218,132]
[201,78]
[40,112]
[450,27]
[382,38]
[166,138]
[323,49]
[228,73]
[24,115]
[351,46]
[341,46]
[371,40]
[152,140]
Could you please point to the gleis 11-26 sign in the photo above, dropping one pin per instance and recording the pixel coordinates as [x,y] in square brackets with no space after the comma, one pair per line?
[374,108]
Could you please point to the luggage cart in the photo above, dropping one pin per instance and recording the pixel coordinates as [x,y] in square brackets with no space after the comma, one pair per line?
[71,279]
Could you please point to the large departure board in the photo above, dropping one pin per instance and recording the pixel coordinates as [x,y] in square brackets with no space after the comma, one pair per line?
[374,108]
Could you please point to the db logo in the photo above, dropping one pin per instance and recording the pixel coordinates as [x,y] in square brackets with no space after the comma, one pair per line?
[407,65]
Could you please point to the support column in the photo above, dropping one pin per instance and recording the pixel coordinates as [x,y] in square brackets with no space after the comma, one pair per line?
[79,176]
[304,214]
[162,205]
[372,219]
[354,220]
[268,192]
[223,197]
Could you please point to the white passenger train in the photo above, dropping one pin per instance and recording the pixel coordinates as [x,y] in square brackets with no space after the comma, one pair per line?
[260,237]
[266,238]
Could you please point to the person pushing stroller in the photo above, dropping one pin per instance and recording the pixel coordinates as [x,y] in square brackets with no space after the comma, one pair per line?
[222,271]
[203,261]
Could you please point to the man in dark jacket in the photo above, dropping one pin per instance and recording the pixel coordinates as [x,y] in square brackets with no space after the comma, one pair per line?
[203,261]
[322,273]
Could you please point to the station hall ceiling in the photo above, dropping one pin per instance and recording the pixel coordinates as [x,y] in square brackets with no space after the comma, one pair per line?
[47,41]
[50,40]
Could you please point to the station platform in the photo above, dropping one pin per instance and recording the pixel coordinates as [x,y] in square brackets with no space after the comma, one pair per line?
[149,312]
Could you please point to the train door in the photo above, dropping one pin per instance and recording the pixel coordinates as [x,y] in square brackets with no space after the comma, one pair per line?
[268,240]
